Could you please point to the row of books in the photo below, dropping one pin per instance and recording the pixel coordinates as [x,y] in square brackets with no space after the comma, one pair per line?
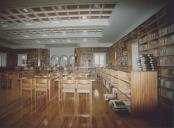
[167,83]
[147,38]
[166,30]
[167,73]
[163,52]
[162,32]
[168,94]
[157,43]
[166,40]
[166,62]
[166,51]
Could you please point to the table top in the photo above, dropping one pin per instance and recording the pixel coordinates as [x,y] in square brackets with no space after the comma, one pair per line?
[76,79]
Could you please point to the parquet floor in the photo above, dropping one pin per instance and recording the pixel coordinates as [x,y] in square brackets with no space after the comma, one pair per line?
[17,112]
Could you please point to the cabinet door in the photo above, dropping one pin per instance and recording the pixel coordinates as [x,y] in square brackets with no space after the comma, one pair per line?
[143,91]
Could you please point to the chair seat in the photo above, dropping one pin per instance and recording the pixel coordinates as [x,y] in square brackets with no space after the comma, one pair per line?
[28,88]
[83,90]
[41,89]
[68,90]
[41,85]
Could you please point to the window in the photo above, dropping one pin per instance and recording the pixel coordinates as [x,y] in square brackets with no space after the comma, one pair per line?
[22,59]
[99,59]
[135,55]
[71,60]
[3,59]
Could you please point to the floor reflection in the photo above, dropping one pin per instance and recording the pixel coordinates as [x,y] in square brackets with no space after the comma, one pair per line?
[69,112]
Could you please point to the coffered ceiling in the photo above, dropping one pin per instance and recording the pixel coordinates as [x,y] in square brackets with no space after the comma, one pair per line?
[51,23]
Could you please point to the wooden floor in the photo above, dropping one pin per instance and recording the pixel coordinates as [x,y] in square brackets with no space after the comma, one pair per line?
[17,112]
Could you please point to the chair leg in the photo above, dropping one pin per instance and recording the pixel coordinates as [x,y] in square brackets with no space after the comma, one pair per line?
[74,97]
[47,97]
[31,96]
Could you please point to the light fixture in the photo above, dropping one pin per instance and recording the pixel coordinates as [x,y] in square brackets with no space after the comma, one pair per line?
[64,33]
[28,24]
[44,34]
[25,10]
[96,6]
[59,7]
[84,40]
[84,19]
[26,36]
[68,40]
[2,22]
[85,32]
[4,25]
[38,41]
[53,41]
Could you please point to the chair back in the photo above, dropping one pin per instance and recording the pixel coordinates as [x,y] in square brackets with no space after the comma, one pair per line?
[26,83]
[84,86]
[68,83]
[42,83]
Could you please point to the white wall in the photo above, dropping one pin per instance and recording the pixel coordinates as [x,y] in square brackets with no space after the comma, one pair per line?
[62,51]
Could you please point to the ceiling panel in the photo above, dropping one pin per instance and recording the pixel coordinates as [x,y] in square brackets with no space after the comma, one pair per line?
[35,23]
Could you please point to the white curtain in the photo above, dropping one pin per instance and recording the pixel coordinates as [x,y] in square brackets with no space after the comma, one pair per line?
[99,59]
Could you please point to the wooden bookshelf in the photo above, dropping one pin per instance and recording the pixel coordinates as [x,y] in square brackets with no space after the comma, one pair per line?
[140,88]
[159,40]
[120,55]
[155,36]
[84,54]
[36,55]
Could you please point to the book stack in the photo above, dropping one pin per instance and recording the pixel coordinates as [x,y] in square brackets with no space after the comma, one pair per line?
[147,62]
[120,105]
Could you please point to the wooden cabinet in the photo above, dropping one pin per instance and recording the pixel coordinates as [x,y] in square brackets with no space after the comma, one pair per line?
[144,91]
[139,87]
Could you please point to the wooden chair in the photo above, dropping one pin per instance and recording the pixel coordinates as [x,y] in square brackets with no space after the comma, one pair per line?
[84,87]
[26,84]
[68,86]
[42,86]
